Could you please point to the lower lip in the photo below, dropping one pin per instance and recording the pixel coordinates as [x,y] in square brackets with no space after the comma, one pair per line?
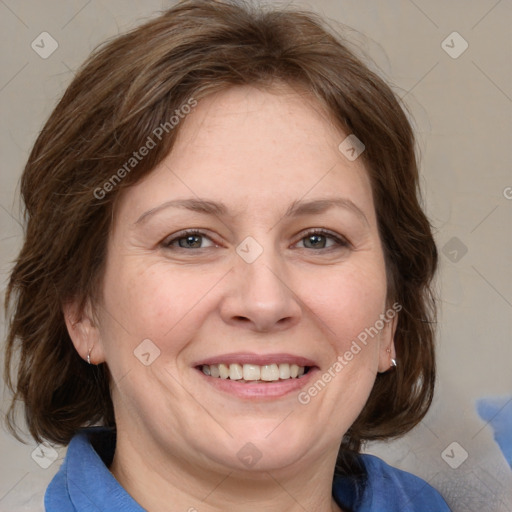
[275,389]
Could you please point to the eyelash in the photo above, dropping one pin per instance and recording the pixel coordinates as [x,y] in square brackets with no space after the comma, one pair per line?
[341,242]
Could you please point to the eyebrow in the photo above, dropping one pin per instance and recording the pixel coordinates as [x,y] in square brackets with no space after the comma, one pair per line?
[300,207]
[297,208]
[194,205]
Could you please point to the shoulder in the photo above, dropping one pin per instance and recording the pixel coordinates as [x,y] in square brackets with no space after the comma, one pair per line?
[84,482]
[387,489]
[393,483]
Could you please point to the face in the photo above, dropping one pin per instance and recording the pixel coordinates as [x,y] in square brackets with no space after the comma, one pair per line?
[251,250]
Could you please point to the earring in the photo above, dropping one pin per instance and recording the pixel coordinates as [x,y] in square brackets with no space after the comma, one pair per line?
[89,356]
[393,361]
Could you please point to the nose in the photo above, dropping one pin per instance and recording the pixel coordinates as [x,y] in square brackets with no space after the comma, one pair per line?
[260,297]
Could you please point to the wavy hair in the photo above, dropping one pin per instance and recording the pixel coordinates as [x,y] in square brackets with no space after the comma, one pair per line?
[125,90]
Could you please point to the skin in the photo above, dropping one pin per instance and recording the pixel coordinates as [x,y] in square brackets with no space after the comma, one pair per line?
[178,436]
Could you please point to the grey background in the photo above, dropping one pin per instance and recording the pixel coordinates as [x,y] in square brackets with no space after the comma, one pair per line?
[462,113]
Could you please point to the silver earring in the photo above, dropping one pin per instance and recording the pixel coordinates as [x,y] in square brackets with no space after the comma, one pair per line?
[89,357]
[393,361]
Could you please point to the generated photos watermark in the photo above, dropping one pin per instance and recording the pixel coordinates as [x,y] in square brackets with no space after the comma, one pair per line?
[151,142]
[304,397]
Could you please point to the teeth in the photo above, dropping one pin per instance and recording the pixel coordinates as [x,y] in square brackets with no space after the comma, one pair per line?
[253,372]
[235,371]
[284,371]
[270,372]
[223,370]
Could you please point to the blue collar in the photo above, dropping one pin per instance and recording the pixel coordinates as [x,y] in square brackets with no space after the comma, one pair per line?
[84,483]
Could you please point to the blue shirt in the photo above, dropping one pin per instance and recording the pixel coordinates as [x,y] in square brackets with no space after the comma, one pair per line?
[85,484]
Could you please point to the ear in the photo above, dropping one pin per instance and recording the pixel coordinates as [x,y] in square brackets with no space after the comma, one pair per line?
[83,331]
[387,344]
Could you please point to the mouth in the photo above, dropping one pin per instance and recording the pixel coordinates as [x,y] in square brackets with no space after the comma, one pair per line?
[254,373]
[257,376]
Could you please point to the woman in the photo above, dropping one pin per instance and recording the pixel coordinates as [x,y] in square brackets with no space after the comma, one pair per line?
[226,273]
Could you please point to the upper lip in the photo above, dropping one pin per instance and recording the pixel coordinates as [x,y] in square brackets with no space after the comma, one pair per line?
[259,359]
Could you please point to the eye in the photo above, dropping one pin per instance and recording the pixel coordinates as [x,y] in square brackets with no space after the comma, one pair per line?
[313,239]
[188,239]
[322,239]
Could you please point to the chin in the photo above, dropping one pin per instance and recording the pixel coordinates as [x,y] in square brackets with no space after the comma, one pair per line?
[267,446]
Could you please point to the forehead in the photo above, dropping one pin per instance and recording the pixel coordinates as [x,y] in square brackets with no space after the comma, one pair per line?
[273,128]
[252,147]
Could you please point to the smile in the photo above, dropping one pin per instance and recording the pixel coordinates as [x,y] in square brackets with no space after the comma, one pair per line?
[255,373]
[251,376]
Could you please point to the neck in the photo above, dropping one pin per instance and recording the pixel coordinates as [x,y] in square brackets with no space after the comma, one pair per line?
[156,480]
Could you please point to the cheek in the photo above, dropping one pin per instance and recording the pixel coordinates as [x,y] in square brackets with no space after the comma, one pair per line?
[350,302]
[348,306]
[155,301]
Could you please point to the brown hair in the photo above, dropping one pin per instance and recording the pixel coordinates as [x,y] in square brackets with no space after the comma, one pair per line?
[121,95]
